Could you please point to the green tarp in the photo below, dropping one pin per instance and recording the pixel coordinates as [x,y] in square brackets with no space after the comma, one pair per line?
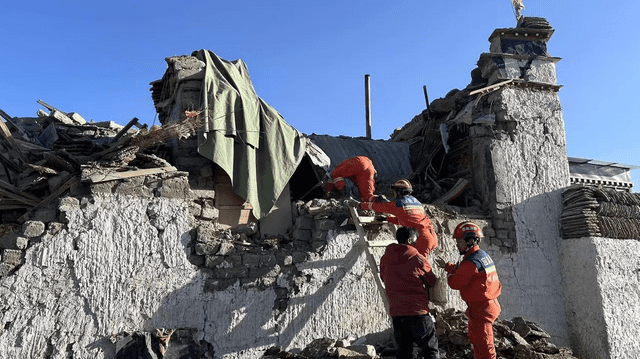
[245,136]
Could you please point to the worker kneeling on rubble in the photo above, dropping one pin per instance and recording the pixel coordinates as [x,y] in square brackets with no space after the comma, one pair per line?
[358,170]
[407,211]
[479,286]
[407,275]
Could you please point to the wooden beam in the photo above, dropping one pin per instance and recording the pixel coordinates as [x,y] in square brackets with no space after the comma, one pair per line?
[8,187]
[97,178]
[4,131]
[49,199]
[125,129]
[491,88]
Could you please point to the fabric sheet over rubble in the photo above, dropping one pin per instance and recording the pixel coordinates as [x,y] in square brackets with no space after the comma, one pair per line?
[245,136]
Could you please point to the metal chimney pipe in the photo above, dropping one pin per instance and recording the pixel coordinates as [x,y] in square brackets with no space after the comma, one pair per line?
[367,104]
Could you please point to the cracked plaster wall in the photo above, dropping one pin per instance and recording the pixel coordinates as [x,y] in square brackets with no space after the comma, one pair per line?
[115,269]
[603,296]
[528,168]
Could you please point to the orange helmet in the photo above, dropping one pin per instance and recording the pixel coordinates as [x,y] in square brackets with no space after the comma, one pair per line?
[467,231]
[402,184]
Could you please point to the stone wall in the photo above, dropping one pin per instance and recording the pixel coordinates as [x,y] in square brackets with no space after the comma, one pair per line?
[602,277]
[120,264]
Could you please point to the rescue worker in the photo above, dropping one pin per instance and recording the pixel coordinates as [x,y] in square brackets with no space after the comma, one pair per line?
[477,280]
[358,170]
[406,275]
[407,211]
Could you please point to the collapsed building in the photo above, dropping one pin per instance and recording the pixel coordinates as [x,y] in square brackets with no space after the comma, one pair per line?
[206,237]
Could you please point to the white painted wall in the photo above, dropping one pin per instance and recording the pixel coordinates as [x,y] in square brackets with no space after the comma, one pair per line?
[122,266]
[603,296]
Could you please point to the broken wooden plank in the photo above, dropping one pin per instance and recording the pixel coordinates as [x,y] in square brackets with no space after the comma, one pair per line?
[62,117]
[14,190]
[18,198]
[4,131]
[97,178]
[125,129]
[49,199]
[24,133]
[57,162]
[491,88]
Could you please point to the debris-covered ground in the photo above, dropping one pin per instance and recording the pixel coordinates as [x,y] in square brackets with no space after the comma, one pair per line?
[514,339]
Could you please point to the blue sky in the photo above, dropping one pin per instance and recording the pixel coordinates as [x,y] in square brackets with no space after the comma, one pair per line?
[308,59]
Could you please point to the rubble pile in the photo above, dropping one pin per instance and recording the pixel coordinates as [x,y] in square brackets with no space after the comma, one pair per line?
[600,212]
[514,339]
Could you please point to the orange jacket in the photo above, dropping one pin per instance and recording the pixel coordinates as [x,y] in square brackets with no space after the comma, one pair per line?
[360,171]
[408,212]
[406,275]
[475,277]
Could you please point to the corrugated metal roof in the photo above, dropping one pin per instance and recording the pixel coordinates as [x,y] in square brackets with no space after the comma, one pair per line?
[391,159]
[583,170]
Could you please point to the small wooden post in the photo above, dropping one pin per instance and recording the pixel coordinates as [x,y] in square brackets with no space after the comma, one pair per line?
[367,104]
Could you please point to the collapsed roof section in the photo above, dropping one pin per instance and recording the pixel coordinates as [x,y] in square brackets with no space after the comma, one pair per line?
[242,134]
[390,159]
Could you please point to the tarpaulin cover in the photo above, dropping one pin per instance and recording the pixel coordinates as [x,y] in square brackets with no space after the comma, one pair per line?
[245,136]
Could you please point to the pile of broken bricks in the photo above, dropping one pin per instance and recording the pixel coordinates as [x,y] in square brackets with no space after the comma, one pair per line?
[514,339]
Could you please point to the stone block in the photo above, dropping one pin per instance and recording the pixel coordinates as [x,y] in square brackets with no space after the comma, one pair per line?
[304,222]
[325,224]
[284,259]
[207,248]
[210,213]
[298,257]
[226,248]
[12,256]
[6,269]
[13,241]
[234,260]
[32,229]
[251,260]
[229,273]
[264,271]
[248,229]
[47,214]
[195,209]
[318,235]
[502,234]
[212,261]
[204,193]
[175,187]
[268,260]
[301,234]
[133,187]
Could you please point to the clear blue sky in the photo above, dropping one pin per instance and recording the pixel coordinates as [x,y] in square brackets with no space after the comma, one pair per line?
[308,59]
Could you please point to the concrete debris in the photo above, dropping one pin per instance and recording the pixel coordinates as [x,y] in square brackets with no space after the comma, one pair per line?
[600,212]
[514,339]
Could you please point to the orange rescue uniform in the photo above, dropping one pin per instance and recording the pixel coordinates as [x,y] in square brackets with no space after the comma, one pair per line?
[358,170]
[408,212]
[479,286]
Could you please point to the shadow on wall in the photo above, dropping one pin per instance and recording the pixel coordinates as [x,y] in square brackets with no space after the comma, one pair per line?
[245,318]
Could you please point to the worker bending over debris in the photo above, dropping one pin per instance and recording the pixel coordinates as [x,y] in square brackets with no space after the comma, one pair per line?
[407,211]
[407,274]
[477,280]
[358,170]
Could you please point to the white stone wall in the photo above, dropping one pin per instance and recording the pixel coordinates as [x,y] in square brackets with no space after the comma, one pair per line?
[530,166]
[602,289]
[122,266]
